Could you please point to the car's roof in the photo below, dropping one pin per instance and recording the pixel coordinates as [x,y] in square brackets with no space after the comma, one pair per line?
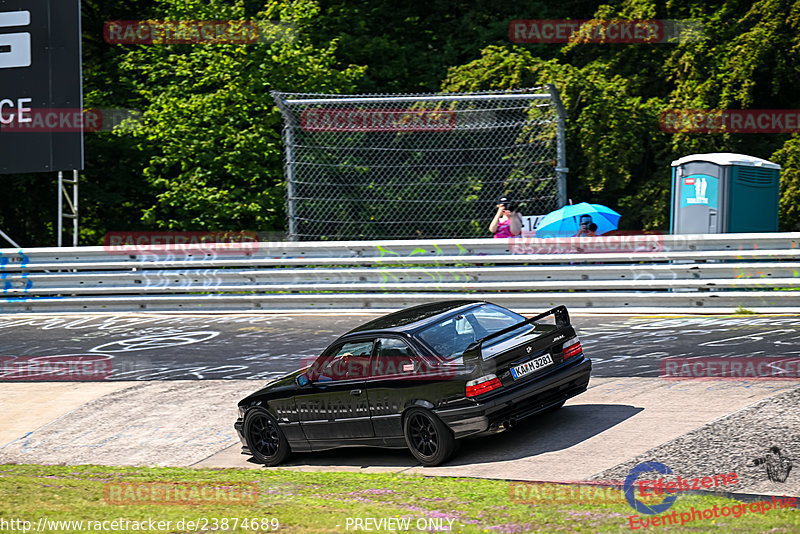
[415,317]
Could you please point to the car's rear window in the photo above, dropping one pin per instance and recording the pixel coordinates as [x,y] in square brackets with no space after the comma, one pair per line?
[450,337]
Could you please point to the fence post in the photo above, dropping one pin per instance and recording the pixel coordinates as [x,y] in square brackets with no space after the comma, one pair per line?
[288,143]
[561,145]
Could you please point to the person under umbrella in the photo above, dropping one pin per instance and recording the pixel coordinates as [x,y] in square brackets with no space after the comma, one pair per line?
[575,220]
[587,227]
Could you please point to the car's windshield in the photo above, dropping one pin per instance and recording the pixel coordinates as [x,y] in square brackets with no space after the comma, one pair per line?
[450,337]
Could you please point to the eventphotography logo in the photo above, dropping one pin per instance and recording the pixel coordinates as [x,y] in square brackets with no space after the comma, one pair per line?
[631,481]
[669,486]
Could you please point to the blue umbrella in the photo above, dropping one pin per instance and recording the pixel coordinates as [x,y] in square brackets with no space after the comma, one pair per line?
[565,222]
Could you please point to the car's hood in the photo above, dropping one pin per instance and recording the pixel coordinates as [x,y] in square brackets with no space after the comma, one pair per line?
[277,387]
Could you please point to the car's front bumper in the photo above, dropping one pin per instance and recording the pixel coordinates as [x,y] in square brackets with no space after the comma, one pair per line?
[519,402]
[239,427]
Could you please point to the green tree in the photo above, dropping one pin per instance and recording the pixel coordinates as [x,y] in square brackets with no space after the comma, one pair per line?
[408,47]
[218,162]
[113,189]
[749,59]
[617,152]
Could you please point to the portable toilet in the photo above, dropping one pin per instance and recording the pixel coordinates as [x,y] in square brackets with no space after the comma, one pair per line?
[724,193]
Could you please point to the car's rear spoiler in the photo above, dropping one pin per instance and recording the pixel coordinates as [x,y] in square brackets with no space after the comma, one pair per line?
[473,353]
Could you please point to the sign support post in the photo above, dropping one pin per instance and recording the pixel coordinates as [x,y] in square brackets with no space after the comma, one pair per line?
[72,204]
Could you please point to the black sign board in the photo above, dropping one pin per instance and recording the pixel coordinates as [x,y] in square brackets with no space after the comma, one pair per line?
[41,96]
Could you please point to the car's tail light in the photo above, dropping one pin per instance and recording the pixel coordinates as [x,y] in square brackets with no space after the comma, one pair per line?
[482,385]
[572,348]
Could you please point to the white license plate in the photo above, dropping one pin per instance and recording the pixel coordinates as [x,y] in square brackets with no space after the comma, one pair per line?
[531,366]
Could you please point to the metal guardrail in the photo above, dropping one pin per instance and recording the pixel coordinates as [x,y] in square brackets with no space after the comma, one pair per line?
[684,272]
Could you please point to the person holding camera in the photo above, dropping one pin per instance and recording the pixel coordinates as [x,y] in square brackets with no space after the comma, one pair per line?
[587,227]
[507,221]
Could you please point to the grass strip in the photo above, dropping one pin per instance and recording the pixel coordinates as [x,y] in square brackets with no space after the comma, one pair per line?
[283,500]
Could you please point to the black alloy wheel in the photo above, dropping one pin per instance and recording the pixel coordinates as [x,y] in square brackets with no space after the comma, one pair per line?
[427,437]
[264,437]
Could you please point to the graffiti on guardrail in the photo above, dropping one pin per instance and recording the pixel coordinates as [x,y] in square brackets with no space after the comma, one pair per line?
[199,280]
[16,259]
[15,282]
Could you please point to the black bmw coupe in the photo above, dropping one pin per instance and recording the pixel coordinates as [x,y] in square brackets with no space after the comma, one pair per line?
[420,378]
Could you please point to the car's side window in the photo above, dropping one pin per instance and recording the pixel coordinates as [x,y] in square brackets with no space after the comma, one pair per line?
[347,361]
[394,357]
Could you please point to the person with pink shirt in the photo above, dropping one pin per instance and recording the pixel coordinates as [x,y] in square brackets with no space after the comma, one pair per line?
[507,221]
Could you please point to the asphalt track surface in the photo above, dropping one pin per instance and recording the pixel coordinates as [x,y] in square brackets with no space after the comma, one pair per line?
[235,347]
[175,379]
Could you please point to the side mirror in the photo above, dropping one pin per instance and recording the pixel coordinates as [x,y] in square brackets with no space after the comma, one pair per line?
[302,380]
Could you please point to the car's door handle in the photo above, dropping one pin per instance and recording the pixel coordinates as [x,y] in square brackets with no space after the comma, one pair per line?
[355,392]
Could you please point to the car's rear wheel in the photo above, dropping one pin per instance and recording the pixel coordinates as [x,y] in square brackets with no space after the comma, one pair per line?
[264,437]
[427,437]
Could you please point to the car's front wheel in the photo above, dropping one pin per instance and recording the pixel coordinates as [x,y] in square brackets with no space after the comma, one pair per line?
[427,437]
[264,437]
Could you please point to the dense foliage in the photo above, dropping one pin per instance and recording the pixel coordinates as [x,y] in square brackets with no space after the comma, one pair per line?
[207,151]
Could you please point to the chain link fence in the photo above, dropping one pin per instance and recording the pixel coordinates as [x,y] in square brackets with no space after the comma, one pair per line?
[419,166]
